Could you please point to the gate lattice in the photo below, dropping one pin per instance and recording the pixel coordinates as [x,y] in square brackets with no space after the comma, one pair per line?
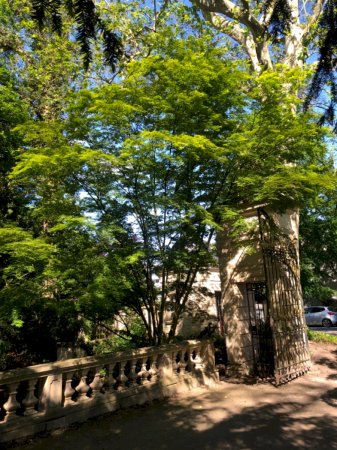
[284,301]
[261,333]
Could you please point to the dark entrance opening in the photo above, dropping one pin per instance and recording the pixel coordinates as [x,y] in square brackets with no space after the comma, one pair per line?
[261,333]
[219,312]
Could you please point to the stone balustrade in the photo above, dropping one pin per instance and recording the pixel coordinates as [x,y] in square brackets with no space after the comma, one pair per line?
[48,396]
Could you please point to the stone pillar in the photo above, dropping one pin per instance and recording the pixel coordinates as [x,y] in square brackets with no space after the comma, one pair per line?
[51,396]
[265,255]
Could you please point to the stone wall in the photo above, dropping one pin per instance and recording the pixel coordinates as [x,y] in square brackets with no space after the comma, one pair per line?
[201,308]
[48,396]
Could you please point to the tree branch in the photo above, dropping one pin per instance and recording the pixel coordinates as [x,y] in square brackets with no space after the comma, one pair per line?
[234,12]
[316,12]
[236,32]
[239,24]
[112,331]
[265,18]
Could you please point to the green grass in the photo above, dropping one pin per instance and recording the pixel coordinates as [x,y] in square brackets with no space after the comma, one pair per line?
[319,336]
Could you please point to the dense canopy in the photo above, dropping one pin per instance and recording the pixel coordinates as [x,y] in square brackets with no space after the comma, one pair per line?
[111,181]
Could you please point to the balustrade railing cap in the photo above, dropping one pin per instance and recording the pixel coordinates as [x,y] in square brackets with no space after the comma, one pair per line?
[43,370]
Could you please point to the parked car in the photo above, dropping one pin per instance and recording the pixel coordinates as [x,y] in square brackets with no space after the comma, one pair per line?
[320,315]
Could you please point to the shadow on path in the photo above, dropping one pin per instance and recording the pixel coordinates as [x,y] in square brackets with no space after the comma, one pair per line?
[204,422]
[299,415]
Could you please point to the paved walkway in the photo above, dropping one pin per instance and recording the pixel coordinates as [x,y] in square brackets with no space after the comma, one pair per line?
[299,415]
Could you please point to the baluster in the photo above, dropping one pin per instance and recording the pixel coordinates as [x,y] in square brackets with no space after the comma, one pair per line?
[12,405]
[187,360]
[132,375]
[110,377]
[197,362]
[182,363]
[30,400]
[96,384]
[166,366]
[190,359]
[82,388]
[153,372]
[144,372]
[122,378]
[69,391]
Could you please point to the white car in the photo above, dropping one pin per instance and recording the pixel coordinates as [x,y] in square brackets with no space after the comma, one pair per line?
[320,315]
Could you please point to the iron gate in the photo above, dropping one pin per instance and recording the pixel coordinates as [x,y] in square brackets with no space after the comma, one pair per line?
[284,301]
[260,329]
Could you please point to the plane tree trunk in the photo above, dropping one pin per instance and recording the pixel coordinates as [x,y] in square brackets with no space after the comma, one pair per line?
[261,293]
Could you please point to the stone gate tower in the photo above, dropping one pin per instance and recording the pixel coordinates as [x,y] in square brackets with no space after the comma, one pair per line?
[262,300]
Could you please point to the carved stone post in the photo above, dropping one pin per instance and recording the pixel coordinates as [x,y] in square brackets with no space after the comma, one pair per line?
[153,372]
[144,372]
[122,378]
[30,400]
[96,384]
[51,396]
[111,381]
[191,352]
[82,388]
[69,391]
[132,374]
[12,405]
[197,362]
[166,373]
[182,363]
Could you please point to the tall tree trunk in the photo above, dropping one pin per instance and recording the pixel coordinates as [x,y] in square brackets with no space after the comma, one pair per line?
[241,274]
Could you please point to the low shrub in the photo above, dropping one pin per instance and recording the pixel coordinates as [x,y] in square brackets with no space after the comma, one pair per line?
[319,336]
